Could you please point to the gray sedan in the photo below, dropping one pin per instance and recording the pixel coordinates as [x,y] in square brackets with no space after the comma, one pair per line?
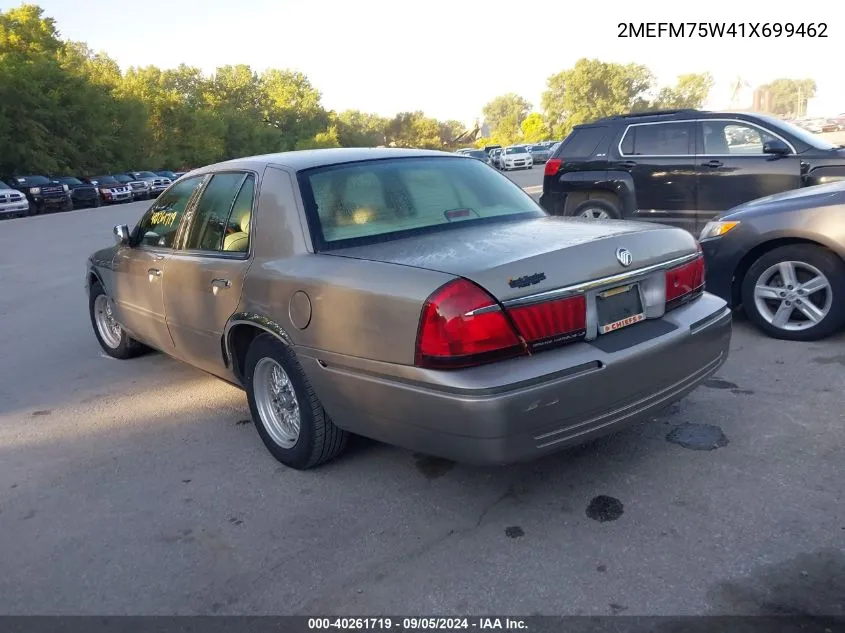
[415,297]
[540,153]
[782,258]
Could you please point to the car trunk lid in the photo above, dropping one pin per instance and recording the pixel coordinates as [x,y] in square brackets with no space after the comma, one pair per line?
[526,257]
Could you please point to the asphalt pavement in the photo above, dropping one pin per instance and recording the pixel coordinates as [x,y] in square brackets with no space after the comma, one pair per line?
[141,487]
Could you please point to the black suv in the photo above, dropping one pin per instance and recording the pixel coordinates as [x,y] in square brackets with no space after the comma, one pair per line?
[44,194]
[83,194]
[682,167]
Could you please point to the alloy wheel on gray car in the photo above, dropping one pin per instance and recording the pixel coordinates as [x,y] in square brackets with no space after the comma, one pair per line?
[594,213]
[793,295]
[796,292]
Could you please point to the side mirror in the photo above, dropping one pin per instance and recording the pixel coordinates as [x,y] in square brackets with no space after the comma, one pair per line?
[121,234]
[775,147]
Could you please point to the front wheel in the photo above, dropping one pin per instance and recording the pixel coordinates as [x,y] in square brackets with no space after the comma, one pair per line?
[68,205]
[288,415]
[111,337]
[796,293]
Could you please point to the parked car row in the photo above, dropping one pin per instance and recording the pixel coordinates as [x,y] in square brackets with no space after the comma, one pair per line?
[760,193]
[36,194]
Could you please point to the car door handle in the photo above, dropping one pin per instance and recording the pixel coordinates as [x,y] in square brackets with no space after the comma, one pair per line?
[714,164]
[217,284]
[153,274]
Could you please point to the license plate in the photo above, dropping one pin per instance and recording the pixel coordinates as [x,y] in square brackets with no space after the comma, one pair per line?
[618,308]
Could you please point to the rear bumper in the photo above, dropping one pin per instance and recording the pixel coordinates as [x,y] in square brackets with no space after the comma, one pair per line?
[528,407]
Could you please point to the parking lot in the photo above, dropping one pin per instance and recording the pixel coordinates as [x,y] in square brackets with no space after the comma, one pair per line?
[141,487]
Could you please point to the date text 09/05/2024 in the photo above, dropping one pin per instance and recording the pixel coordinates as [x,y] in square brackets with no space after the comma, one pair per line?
[722,29]
[417,624]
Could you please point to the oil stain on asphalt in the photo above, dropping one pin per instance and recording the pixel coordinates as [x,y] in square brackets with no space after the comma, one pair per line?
[514,531]
[432,467]
[697,437]
[604,508]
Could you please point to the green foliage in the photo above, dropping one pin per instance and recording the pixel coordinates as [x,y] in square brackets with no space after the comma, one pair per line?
[790,96]
[505,115]
[691,91]
[534,128]
[67,109]
[593,89]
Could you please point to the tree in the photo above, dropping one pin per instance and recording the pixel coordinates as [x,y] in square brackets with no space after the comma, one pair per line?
[25,31]
[691,91]
[292,105]
[505,115]
[593,89]
[322,140]
[360,129]
[534,128]
[790,96]
[414,129]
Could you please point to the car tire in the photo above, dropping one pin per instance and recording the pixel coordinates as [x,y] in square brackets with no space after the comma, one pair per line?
[97,202]
[68,206]
[596,209]
[804,263]
[272,373]
[116,343]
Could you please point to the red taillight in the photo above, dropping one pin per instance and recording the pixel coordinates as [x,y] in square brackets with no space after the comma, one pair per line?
[551,322]
[462,325]
[684,282]
[552,167]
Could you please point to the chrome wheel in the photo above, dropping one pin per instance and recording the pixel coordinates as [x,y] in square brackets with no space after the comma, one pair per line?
[594,213]
[276,402]
[793,295]
[109,330]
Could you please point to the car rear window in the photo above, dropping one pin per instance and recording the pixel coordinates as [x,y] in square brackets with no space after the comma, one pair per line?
[375,201]
[582,142]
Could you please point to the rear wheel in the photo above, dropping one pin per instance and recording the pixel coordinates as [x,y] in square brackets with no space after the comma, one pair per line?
[597,210]
[112,338]
[288,415]
[796,293]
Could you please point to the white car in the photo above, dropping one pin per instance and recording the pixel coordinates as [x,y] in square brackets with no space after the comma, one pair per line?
[12,202]
[516,158]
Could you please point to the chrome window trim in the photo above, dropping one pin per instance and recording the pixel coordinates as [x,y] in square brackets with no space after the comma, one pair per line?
[727,119]
[630,275]
[628,129]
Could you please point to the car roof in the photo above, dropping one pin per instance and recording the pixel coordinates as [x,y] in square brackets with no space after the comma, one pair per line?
[310,158]
[671,115]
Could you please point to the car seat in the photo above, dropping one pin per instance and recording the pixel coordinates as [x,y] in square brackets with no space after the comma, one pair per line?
[239,242]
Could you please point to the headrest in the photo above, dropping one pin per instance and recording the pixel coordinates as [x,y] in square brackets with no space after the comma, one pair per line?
[245,222]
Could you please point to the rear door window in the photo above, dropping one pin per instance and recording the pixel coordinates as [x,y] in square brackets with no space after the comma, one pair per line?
[659,139]
[209,222]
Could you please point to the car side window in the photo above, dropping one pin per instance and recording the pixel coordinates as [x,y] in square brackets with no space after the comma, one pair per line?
[727,137]
[159,225]
[208,225]
[238,224]
[661,139]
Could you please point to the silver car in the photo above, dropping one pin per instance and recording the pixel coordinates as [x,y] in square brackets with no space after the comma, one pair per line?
[415,297]
[12,202]
[540,153]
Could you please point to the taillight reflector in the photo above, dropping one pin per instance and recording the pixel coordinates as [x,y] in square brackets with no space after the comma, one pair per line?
[552,167]
[551,321]
[684,281]
[462,325]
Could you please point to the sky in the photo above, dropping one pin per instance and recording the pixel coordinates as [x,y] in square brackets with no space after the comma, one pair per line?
[449,58]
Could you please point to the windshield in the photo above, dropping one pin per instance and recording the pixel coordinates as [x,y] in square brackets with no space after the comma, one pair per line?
[32,181]
[813,140]
[375,201]
[105,180]
[515,150]
[145,174]
[122,178]
[69,180]
[166,174]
